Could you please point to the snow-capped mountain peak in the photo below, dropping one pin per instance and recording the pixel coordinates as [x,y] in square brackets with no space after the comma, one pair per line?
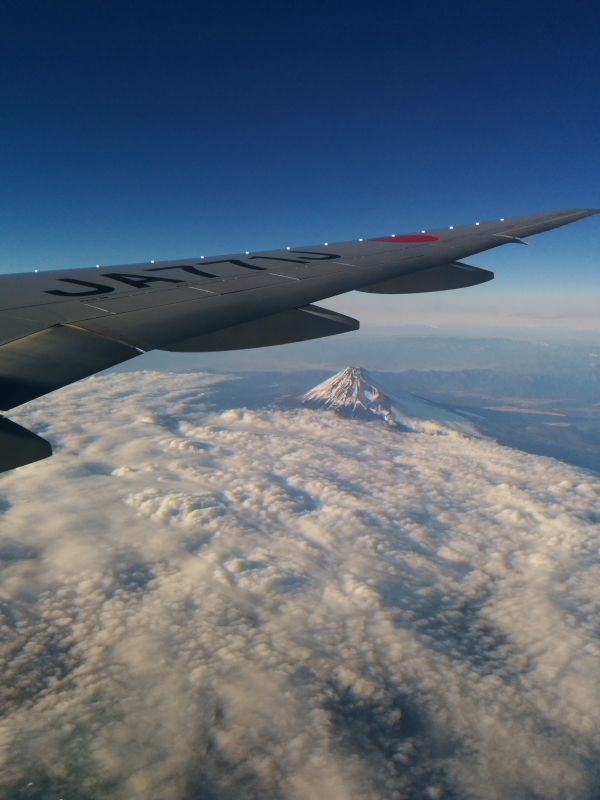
[354,393]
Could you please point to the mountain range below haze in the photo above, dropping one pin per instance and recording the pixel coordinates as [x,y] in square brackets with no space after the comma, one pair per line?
[498,405]
[539,394]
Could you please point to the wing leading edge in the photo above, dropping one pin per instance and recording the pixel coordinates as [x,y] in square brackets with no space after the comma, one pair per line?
[58,327]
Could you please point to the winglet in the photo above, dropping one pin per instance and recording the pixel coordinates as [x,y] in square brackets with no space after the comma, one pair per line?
[520,227]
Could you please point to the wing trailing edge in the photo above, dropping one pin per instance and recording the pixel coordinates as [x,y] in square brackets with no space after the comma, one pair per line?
[35,365]
[42,362]
[297,325]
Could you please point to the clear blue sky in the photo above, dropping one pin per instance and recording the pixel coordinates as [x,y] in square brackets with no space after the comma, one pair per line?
[134,130]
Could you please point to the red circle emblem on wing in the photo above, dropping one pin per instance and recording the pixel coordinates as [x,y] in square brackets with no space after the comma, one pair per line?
[408,237]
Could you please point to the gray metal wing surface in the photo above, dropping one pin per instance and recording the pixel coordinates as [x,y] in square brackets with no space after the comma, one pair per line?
[57,327]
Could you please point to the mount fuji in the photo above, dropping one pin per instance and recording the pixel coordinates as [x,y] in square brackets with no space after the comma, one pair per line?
[354,394]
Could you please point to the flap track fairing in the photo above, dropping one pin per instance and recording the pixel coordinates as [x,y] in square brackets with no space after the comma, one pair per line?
[436,279]
[297,325]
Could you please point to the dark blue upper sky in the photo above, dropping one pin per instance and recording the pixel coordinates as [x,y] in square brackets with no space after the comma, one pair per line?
[134,130]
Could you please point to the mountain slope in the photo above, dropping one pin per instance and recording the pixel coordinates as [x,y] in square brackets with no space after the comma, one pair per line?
[353,393]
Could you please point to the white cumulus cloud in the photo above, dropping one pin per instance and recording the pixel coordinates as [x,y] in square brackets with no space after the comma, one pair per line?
[230,603]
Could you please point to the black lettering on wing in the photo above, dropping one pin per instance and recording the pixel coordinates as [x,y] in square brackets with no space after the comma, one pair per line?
[138,281]
[237,261]
[185,268]
[96,288]
[280,258]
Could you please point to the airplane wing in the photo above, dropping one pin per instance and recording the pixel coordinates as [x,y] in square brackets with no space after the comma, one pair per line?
[57,327]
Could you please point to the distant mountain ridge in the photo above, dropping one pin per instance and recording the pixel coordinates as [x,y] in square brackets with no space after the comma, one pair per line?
[353,393]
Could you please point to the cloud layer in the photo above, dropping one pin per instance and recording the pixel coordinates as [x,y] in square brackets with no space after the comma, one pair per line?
[207,603]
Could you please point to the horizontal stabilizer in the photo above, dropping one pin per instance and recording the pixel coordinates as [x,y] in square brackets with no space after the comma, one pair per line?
[297,325]
[436,279]
[18,446]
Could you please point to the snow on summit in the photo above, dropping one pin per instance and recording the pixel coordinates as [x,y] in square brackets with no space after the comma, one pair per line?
[354,393]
